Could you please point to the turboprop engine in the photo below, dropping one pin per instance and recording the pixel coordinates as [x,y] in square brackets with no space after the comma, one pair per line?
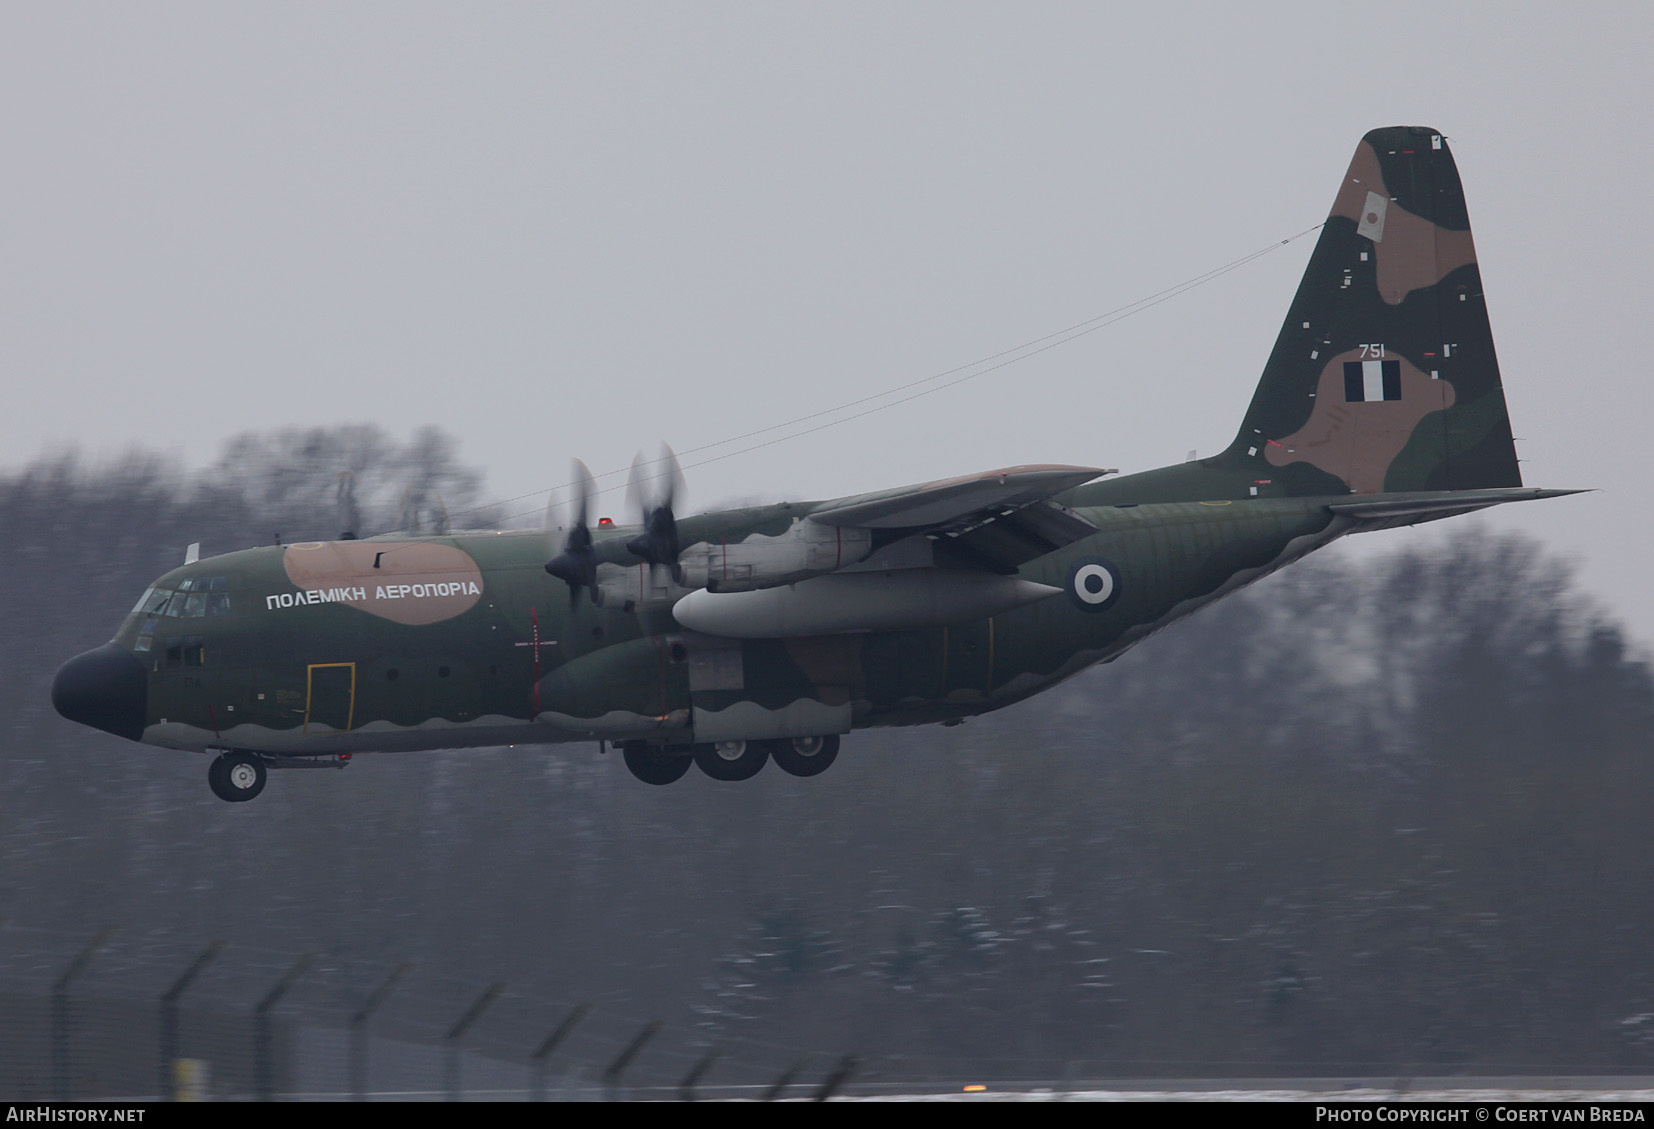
[807,549]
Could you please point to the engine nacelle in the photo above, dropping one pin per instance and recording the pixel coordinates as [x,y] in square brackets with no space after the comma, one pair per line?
[808,548]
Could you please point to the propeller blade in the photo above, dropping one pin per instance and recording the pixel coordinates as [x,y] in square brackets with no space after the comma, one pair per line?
[344,497]
[576,565]
[585,487]
[670,476]
[639,496]
[656,494]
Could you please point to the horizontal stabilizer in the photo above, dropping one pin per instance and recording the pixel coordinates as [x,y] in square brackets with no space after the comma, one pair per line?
[1410,509]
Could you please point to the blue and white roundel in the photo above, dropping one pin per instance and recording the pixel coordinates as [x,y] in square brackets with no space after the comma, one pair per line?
[1093,584]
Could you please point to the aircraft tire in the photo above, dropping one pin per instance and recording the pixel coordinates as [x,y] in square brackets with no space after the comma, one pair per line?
[732,760]
[805,756]
[236,777]
[652,764]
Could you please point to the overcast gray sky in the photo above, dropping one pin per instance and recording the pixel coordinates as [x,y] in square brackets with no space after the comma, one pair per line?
[578,229]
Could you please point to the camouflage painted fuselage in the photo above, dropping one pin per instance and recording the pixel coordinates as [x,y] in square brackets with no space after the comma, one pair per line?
[411,657]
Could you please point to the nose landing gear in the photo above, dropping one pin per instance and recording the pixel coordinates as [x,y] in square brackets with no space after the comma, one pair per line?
[236,777]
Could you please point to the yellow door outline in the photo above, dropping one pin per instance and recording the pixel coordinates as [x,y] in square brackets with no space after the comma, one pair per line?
[309,677]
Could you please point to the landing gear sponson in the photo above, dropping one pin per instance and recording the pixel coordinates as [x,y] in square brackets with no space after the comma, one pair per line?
[729,760]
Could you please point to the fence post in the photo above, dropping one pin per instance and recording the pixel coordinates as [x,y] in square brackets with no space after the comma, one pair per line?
[359,1033]
[551,1043]
[265,1080]
[611,1073]
[838,1077]
[169,1019]
[474,1013]
[686,1088]
[779,1086]
[60,1012]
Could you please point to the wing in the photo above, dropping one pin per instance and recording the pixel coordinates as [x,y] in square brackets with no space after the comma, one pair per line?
[994,521]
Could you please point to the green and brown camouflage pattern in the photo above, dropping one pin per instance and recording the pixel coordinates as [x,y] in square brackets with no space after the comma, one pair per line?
[464,640]
[1411,284]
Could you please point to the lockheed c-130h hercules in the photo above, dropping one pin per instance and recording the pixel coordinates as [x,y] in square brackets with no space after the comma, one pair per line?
[760,634]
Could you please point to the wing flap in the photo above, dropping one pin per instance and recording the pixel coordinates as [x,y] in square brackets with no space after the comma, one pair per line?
[988,494]
[1006,542]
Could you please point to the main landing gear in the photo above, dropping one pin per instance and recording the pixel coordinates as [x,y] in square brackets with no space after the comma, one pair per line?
[805,756]
[654,764]
[236,777]
[730,760]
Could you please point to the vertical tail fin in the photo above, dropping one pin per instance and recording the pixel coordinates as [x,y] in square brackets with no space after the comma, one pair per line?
[1384,377]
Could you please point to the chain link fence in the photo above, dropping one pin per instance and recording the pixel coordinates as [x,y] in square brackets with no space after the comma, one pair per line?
[113,1018]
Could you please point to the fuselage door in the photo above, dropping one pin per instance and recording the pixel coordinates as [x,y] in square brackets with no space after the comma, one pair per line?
[330,697]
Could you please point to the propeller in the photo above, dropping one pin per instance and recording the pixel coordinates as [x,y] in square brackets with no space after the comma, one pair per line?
[344,497]
[576,565]
[654,495]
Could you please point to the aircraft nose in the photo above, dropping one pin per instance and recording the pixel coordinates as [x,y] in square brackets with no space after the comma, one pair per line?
[107,688]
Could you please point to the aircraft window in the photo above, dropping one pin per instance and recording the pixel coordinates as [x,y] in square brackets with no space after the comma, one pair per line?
[187,584]
[220,584]
[190,651]
[175,605]
[149,626]
[156,599]
[196,606]
[142,600]
[142,643]
[218,603]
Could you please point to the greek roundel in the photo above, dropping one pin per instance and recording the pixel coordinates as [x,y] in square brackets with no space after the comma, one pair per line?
[1093,584]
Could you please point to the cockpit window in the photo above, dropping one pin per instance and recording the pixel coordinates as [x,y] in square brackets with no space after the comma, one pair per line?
[194,597]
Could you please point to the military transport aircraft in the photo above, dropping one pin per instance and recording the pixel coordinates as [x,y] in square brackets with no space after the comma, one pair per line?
[762,634]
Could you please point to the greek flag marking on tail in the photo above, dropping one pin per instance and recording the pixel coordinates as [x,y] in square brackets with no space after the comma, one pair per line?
[1371,380]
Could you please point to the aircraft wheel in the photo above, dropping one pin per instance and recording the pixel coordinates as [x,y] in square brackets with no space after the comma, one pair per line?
[236,777]
[805,756]
[652,764]
[732,760]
